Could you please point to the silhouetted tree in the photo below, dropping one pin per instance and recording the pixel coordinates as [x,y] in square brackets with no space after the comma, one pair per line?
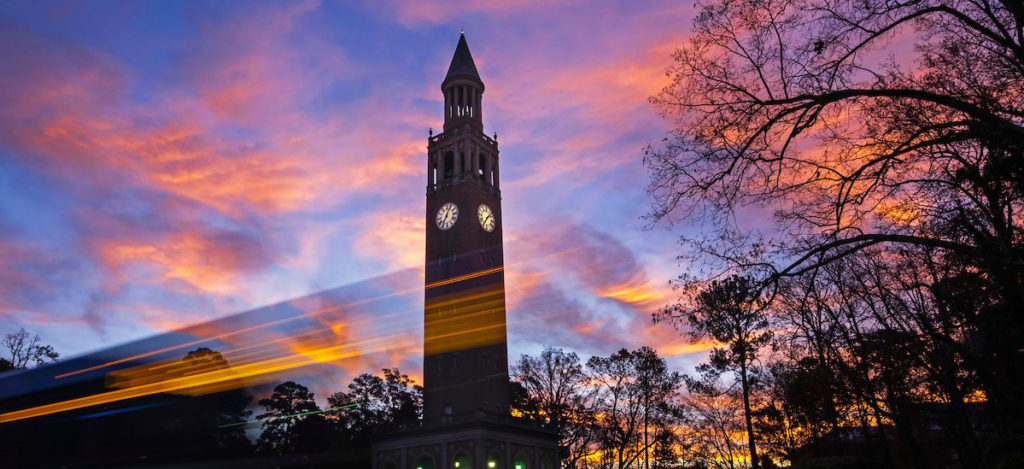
[730,313]
[635,398]
[875,342]
[801,407]
[24,349]
[895,185]
[553,389]
[376,402]
[214,418]
[292,421]
[712,424]
[917,163]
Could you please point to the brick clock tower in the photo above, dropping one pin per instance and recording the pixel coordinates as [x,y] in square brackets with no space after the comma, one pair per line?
[466,393]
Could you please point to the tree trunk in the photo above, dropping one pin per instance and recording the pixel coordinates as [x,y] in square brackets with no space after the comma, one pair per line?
[646,407]
[754,463]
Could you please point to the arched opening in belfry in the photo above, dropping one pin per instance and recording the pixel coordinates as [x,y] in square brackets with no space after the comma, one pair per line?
[480,166]
[462,100]
[450,98]
[449,165]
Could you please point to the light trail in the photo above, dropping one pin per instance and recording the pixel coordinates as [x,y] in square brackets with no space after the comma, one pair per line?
[165,376]
[305,315]
[302,315]
[279,417]
[211,381]
[479,273]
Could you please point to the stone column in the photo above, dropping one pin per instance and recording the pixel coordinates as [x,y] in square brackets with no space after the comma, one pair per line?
[487,168]
[431,162]
[496,172]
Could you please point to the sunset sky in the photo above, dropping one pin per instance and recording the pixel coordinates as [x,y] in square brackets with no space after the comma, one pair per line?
[167,163]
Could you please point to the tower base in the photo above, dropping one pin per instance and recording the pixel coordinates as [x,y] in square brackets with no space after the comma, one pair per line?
[477,441]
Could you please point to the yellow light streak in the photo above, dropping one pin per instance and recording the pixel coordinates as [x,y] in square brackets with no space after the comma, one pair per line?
[214,380]
[464,320]
[277,322]
[479,273]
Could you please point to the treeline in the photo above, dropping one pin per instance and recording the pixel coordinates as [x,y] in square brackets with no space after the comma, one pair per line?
[861,363]
[624,410]
[291,421]
[618,411]
[284,429]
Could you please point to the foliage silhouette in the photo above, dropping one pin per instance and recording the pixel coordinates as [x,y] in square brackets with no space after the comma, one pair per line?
[291,422]
[24,349]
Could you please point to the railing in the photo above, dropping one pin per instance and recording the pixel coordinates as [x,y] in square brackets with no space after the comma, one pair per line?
[441,136]
[478,416]
[459,178]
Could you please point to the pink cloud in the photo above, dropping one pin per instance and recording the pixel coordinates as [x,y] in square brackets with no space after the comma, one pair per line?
[397,236]
[208,261]
[68,107]
[570,277]
[240,178]
[413,13]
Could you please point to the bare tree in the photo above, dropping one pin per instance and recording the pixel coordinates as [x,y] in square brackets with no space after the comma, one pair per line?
[24,349]
[712,420]
[635,393]
[908,164]
[558,395]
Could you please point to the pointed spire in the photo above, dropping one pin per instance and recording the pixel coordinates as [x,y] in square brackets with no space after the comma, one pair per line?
[462,61]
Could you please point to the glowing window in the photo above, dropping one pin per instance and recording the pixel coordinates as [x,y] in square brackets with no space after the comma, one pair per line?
[462,461]
[425,462]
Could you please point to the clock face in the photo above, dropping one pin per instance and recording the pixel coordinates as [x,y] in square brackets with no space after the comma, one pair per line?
[447,216]
[486,217]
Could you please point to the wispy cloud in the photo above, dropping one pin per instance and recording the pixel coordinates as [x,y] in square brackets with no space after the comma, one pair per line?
[235,155]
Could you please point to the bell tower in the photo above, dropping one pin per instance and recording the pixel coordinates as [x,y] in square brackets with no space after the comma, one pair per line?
[465,365]
[466,392]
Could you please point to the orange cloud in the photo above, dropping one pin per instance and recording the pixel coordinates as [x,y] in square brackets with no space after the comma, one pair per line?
[397,236]
[637,291]
[213,263]
[686,348]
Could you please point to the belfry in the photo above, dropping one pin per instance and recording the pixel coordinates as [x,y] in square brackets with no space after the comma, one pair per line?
[466,393]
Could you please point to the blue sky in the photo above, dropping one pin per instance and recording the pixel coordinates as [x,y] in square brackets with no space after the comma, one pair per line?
[167,163]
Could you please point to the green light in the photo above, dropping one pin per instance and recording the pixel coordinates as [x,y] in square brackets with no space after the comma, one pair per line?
[492,464]
[290,416]
[519,466]
[456,463]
